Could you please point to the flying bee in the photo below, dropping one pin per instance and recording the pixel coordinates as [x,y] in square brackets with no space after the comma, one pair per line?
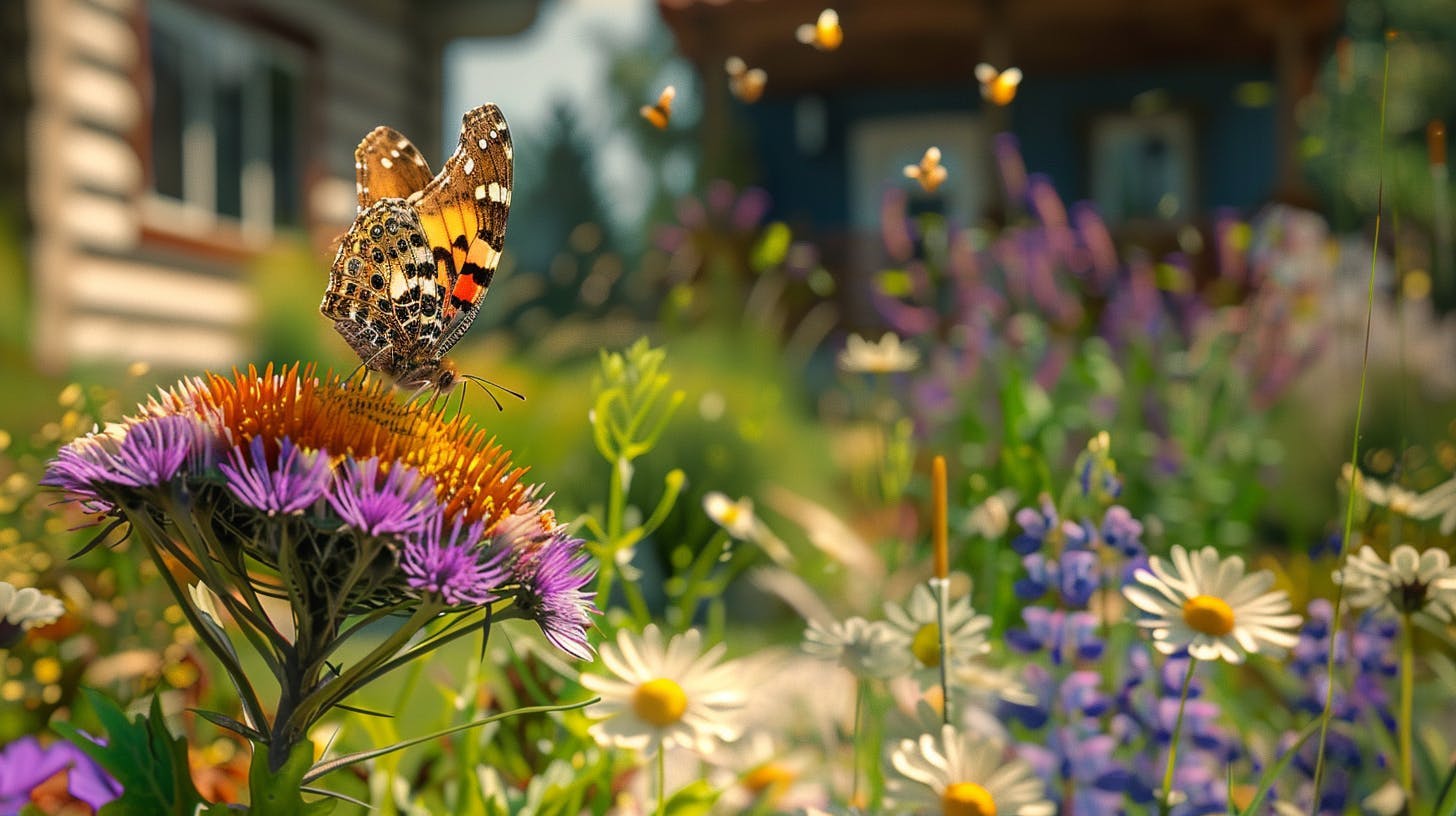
[929,172]
[745,83]
[998,87]
[660,114]
[824,34]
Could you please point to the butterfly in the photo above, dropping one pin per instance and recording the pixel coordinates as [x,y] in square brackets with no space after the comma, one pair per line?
[745,83]
[929,172]
[998,87]
[824,33]
[660,113]
[411,272]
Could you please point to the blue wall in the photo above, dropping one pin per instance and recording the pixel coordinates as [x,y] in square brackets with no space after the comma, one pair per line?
[1050,117]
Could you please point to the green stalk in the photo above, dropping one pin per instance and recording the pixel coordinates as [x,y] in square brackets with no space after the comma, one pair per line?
[1405,721]
[859,704]
[941,587]
[1327,713]
[661,781]
[1165,802]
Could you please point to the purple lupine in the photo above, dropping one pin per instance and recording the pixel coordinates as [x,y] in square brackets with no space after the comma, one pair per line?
[1036,524]
[25,764]
[402,502]
[454,565]
[299,479]
[1122,532]
[1080,760]
[1064,636]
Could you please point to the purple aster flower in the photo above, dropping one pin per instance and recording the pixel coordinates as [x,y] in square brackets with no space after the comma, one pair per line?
[145,453]
[25,764]
[299,480]
[402,502]
[551,568]
[454,566]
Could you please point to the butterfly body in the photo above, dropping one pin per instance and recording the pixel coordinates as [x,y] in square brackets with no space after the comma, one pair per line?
[411,272]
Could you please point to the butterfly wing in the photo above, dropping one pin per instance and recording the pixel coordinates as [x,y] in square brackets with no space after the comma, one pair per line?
[382,293]
[388,165]
[462,213]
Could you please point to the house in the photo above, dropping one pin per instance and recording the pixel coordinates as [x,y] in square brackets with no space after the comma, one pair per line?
[1158,112]
[151,149]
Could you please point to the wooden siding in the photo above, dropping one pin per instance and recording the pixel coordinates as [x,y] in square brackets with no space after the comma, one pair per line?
[118,274]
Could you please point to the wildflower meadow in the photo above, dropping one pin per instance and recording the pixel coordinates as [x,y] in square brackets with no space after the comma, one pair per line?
[1023,513]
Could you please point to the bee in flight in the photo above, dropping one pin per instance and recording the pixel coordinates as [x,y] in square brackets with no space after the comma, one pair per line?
[929,172]
[411,272]
[998,87]
[824,33]
[745,83]
[660,114]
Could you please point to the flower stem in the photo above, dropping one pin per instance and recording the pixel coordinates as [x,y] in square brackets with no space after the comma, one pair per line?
[941,587]
[661,781]
[859,703]
[1327,712]
[1165,802]
[1407,692]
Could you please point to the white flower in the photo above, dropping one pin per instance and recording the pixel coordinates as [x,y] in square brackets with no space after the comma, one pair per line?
[992,518]
[734,516]
[665,696]
[959,773]
[1439,501]
[916,622]
[884,357]
[764,774]
[1411,582]
[866,649]
[738,520]
[24,609]
[1211,607]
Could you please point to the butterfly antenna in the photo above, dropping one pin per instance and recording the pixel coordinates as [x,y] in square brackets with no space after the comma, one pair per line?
[460,410]
[487,385]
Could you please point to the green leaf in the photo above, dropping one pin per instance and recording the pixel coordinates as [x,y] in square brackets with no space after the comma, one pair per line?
[694,800]
[1273,772]
[280,793]
[142,756]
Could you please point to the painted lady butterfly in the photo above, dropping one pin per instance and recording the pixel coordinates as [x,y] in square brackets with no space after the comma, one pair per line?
[411,272]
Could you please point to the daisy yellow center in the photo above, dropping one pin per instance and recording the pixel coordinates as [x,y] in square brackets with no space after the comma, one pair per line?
[660,702]
[967,799]
[730,515]
[770,776]
[1209,615]
[926,645]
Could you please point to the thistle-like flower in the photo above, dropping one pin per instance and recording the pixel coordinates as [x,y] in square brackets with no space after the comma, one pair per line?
[350,504]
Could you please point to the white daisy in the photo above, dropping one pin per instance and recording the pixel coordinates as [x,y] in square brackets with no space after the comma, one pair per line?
[1410,582]
[665,696]
[960,774]
[916,623]
[739,521]
[734,516]
[24,609]
[1439,501]
[1211,607]
[886,356]
[866,649]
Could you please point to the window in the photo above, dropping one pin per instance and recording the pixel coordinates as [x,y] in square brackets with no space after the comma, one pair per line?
[225,138]
[1143,166]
